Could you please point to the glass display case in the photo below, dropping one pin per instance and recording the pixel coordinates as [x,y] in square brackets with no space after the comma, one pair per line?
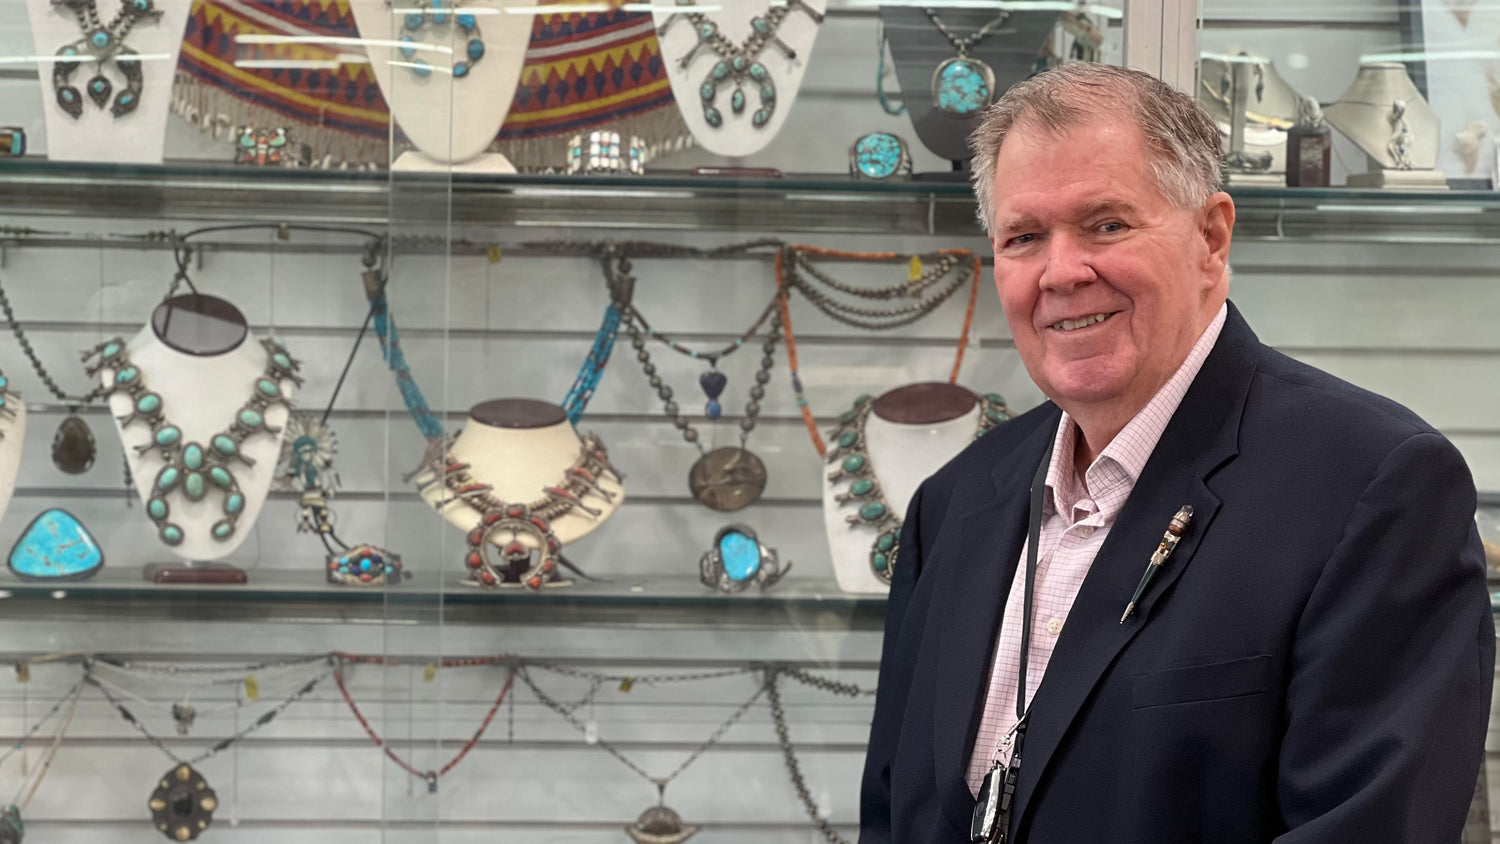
[472,433]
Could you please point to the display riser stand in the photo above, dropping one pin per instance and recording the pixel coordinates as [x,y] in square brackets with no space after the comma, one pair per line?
[215,573]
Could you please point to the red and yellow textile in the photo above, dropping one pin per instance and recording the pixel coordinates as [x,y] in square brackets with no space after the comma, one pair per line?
[582,70]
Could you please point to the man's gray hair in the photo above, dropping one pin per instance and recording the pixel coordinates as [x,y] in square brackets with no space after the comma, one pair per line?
[1182,140]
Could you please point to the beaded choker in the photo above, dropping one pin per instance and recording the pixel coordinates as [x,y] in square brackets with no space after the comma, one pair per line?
[192,468]
[531,566]
[850,458]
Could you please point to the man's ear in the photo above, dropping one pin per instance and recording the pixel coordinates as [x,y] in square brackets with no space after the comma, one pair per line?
[1218,231]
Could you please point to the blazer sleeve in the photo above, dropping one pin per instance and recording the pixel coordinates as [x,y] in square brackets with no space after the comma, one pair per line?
[895,677]
[1392,664]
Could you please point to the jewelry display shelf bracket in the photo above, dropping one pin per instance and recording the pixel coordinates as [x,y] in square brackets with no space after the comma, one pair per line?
[807,204]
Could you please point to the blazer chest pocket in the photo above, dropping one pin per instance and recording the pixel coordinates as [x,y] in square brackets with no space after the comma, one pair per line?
[1198,683]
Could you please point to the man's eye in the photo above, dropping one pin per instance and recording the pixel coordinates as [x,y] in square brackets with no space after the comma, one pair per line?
[1112,226]
[1022,239]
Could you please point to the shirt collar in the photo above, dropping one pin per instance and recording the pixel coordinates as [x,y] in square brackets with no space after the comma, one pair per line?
[1123,460]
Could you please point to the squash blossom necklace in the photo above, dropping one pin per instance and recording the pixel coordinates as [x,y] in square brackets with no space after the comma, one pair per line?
[191,468]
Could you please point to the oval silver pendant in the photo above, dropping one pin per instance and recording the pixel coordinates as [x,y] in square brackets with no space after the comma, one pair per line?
[73,447]
[727,479]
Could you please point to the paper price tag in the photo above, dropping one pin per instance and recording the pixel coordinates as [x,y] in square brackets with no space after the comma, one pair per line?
[252,688]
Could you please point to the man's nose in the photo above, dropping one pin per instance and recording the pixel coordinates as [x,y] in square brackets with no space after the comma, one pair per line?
[1068,265]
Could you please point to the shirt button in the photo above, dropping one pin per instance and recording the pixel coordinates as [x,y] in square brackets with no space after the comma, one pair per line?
[1086,531]
[1054,626]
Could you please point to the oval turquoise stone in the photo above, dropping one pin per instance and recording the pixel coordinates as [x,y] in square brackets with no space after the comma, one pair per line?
[848,439]
[282,360]
[740,555]
[476,49]
[853,463]
[849,416]
[221,477]
[760,118]
[712,117]
[167,479]
[413,20]
[872,511]
[250,418]
[737,102]
[225,445]
[880,561]
[886,542]
[707,30]
[111,349]
[467,21]
[758,72]
[222,530]
[708,91]
[149,403]
[194,486]
[267,387]
[158,509]
[863,397]
[168,435]
[768,92]
[4,382]
[234,504]
[192,457]
[738,63]
[171,534]
[101,39]
[721,71]
[863,486]
[761,25]
[994,415]
[995,397]
[126,375]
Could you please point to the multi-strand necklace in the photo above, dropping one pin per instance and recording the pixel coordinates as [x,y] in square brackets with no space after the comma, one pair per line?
[738,63]
[12,828]
[532,566]
[852,467]
[728,478]
[191,469]
[73,446]
[964,85]
[102,44]
[922,284]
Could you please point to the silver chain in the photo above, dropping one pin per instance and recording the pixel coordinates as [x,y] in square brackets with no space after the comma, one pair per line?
[789,755]
[642,679]
[661,783]
[36,362]
[964,43]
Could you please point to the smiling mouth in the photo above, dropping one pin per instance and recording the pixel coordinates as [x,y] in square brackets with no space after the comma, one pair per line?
[1082,322]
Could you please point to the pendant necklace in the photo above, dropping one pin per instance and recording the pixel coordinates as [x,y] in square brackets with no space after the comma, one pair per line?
[739,63]
[432,775]
[850,458]
[728,478]
[101,44]
[797,269]
[658,824]
[182,804]
[532,565]
[963,85]
[192,468]
[12,828]
[441,18]
[73,446]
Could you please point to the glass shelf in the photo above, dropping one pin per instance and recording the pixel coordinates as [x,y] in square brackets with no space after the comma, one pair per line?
[803,203]
[293,595]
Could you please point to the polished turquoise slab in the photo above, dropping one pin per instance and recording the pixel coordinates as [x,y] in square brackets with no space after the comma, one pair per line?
[740,555]
[56,546]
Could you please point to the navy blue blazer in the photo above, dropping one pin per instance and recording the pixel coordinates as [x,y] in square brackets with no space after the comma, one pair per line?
[1313,664]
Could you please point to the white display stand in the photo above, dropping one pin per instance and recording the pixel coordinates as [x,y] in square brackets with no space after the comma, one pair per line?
[97,135]
[737,137]
[520,463]
[901,458]
[451,121]
[1363,115]
[201,395]
[10,451]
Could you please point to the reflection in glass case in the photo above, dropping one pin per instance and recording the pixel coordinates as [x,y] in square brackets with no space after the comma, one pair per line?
[462,381]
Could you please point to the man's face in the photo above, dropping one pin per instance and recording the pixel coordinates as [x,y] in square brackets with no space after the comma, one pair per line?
[1106,285]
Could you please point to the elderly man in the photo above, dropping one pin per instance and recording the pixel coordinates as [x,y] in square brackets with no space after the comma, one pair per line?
[1256,608]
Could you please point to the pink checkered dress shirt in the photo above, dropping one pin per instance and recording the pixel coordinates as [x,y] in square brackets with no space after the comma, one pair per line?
[1077,513]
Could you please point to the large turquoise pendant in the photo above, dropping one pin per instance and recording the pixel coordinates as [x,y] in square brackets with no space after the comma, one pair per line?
[962,86]
[55,546]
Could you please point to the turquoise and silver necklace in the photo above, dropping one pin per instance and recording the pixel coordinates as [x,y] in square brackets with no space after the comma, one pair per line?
[963,85]
[739,63]
[192,468]
[850,456]
[443,19]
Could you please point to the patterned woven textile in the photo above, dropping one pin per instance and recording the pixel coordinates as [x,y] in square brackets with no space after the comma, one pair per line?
[582,70]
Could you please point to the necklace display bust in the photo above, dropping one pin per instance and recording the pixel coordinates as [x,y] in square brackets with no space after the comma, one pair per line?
[520,448]
[196,357]
[1384,114]
[909,433]
[96,134]
[451,106]
[1253,108]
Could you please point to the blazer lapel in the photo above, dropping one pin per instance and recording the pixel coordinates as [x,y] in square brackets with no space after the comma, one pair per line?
[981,566]
[1201,437]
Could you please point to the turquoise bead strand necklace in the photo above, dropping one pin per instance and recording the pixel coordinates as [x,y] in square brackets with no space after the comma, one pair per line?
[440,16]
[192,468]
